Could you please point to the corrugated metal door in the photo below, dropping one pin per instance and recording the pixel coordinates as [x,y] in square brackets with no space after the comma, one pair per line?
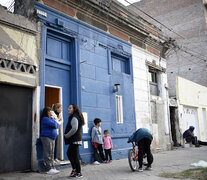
[15,128]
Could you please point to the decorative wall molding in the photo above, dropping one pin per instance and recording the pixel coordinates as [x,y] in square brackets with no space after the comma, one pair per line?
[117,50]
[17,66]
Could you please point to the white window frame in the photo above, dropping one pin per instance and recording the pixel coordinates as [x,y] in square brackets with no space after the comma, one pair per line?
[119,110]
[153,81]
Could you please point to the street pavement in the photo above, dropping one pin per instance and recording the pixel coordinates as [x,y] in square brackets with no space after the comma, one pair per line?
[175,160]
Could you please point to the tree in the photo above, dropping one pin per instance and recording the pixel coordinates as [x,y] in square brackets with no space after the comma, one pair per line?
[24,8]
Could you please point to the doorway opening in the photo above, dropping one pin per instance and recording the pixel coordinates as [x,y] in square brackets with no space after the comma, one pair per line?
[53,95]
[15,127]
[175,130]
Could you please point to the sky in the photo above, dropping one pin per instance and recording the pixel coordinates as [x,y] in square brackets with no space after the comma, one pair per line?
[8,2]
[126,4]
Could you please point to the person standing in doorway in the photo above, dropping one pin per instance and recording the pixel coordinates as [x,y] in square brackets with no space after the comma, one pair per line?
[73,137]
[57,108]
[48,135]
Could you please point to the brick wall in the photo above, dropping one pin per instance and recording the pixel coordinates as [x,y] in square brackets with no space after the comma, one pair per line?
[187,18]
[60,7]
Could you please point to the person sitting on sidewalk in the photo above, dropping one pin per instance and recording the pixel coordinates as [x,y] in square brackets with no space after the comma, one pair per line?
[188,135]
[143,138]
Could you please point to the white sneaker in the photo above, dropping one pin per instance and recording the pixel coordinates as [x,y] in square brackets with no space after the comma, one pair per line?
[140,169]
[56,170]
[56,160]
[96,163]
[52,171]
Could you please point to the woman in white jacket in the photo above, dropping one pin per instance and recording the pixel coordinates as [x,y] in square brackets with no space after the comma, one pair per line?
[57,116]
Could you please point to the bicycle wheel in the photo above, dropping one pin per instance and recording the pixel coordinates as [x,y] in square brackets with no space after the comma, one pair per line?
[132,160]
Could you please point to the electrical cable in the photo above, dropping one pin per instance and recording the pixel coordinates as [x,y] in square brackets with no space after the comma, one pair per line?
[170,29]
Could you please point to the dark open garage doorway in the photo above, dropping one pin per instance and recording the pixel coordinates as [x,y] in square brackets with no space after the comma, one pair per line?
[15,128]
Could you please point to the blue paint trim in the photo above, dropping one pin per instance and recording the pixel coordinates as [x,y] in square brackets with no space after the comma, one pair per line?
[109,61]
[57,65]
[76,82]
[88,138]
[57,13]
[131,68]
[59,31]
[50,58]
[57,35]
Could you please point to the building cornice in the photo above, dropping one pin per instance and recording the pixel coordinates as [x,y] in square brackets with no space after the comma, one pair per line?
[114,18]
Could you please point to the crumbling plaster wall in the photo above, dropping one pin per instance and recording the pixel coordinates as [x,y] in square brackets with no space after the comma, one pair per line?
[143,99]
[20,54]
[18,50]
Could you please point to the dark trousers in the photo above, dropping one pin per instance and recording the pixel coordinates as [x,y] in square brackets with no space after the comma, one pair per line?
[56,145]
[195,141]
[108,153]
[144,148]
[100,149]
[79,157]
[202,143]
[72,154]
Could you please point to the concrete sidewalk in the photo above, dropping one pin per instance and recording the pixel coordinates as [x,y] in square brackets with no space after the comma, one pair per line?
[169,161]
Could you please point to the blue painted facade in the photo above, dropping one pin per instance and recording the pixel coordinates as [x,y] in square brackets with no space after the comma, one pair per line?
[87,63]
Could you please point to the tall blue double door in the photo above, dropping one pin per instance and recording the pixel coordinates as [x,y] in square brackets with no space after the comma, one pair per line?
[58,77]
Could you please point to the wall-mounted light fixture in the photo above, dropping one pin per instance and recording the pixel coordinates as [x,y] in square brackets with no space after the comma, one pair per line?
[116,87]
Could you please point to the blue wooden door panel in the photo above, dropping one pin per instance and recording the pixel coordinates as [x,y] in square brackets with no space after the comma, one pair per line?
[58,48]
[65,51]
[54,47]
[60,78]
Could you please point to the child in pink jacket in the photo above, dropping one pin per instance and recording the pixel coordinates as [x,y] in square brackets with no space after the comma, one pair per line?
[107,146]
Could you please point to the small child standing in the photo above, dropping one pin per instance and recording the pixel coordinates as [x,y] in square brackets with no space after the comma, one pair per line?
[107,146]
[96,138]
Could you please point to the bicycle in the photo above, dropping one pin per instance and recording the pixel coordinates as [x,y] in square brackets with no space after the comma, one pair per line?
[133,157]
